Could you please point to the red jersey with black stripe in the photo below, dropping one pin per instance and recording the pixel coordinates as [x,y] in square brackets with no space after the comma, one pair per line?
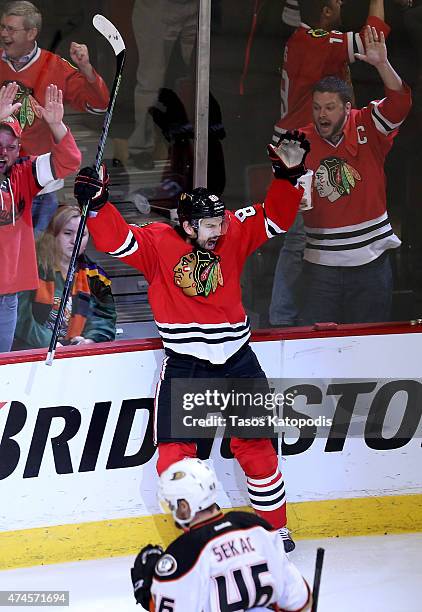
[45,68]
[26,178]
[195,294]
[348,224]
[310,55]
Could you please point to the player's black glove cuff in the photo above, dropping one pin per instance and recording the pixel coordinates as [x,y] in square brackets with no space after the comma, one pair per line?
[92,186]
[142,573]
[289,155]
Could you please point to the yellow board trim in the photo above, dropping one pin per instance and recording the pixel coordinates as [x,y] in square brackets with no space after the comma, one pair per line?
[120,537]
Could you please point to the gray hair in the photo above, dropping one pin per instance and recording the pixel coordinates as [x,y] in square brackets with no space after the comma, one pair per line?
[21,8]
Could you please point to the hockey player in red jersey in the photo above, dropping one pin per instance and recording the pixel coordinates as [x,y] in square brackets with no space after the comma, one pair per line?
[193,273]
[347,270]
[222,562]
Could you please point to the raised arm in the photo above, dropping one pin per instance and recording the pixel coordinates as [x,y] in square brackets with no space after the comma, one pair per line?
[376,55]
[65,156]
[7,97]
[52,112]
[376,9]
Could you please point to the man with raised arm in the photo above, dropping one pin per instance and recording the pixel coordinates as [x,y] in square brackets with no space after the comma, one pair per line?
[316,49]
[33,69]
[22,178]
[347,269]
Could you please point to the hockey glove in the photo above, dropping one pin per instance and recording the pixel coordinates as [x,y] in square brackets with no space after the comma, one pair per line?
[288,157]
[142,573]
[93,186]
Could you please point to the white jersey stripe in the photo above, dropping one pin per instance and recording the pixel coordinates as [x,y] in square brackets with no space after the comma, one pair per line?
[263,481]
[347,228]
[43,168]
[350,47]
[128,247]
[383,125]
[214,343]
[278,504]
[269,497]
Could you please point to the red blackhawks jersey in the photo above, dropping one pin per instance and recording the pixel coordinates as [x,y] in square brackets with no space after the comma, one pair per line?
[26,178]
[348,224]
[195,294]
[231,562]
[309,56]
[43,69]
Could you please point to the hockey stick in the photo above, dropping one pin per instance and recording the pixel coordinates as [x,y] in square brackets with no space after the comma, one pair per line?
[108,30]
[317,578]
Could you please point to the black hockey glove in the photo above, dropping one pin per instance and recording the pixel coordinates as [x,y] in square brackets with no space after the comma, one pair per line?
[142,573]
[288,156]
[93,186]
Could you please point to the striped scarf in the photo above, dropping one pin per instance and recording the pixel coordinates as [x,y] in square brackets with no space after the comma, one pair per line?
[44,297]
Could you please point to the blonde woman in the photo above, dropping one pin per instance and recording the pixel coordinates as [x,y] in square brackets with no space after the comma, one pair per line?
[90,314]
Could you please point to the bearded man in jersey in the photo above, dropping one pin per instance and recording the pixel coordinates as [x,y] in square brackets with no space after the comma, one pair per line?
[221,562]
[193,273]
[315,50]
[347,269]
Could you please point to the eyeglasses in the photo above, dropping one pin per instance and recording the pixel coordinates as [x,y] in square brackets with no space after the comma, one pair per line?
[9,148]
[10,29]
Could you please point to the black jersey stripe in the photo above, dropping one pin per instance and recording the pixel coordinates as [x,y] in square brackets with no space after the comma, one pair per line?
[121,253]
[352,234]
[347,246]
[218,330]
[376,116]
[189,340]
[264,503]
[253,493]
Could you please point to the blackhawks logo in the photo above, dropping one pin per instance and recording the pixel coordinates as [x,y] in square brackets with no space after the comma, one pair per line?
[30,107]
[335,178]
[198,273]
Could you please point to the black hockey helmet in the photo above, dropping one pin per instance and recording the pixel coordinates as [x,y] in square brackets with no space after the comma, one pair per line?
[200,203]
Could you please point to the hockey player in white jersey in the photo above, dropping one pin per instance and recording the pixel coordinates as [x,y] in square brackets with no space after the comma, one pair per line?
[221,563]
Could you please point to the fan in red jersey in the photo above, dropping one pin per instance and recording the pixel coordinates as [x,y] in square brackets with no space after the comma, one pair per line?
[315,50]
[21,179]
[347,270]
[33,69]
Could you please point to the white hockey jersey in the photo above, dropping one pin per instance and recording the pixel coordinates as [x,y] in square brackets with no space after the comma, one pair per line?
[230,563]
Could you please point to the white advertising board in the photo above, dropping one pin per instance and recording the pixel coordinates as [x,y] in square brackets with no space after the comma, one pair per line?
[76,438]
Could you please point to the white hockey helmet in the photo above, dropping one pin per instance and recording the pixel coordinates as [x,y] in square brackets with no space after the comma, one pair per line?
[189,479]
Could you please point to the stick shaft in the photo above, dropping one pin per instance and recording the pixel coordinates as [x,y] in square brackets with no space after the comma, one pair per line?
[120,59]
[317,578]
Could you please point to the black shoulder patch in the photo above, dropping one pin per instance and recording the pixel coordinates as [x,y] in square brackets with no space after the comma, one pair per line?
[246,520]
[182,554]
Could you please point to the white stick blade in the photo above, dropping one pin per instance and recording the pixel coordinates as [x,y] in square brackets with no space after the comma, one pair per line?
[109,31]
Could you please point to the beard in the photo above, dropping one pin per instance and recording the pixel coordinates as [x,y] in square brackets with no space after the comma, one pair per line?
[336,131]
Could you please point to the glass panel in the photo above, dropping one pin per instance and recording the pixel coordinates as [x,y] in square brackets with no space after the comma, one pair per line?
[341,281]
[149,154]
